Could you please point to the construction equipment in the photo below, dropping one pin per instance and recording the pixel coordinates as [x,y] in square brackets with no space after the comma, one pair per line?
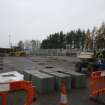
[20,53]
[15,51]
[90,61]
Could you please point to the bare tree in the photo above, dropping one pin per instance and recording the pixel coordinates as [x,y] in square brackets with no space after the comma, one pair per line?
[21,45]
[100,38]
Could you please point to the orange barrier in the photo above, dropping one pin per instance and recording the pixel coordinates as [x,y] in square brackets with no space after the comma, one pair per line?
[97,83]
[16,86]
[63,100]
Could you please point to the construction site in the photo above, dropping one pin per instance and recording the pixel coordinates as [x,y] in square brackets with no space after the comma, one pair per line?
[47,73]
[52,52]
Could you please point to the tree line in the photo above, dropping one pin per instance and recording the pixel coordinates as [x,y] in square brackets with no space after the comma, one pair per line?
[28,45]
[60,40]
[79,39]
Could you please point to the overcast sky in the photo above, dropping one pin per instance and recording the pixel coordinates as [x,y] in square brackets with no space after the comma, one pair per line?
[36,19]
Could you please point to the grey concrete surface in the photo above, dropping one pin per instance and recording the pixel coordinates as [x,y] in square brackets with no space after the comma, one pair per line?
[75,96]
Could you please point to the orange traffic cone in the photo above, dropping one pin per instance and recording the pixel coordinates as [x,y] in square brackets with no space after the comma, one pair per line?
[63,100]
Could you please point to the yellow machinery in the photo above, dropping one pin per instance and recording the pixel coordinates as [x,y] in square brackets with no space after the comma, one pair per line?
[20,53]
[17,52]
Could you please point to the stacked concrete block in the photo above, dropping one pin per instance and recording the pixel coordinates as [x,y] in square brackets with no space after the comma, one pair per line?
[1,63]
[16,98]
[79,80]
[28,74]
[60,78]
[46,71]
[45,83]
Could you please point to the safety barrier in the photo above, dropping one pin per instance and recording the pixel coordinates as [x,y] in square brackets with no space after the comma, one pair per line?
[97,83]
[6,88]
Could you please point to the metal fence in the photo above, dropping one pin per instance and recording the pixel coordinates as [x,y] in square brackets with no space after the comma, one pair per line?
[55,52]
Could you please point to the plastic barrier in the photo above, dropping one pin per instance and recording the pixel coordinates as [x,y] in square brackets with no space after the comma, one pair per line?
[6,88]
[97,83]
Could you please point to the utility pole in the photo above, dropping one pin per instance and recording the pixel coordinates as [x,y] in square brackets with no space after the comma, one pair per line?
[10,44]
[93,38]
[93,41]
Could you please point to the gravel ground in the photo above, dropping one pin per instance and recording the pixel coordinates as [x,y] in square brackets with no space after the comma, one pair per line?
[75,96]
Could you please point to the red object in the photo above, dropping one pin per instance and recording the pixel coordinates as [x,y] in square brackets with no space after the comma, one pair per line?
[97,83]
[20,85]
